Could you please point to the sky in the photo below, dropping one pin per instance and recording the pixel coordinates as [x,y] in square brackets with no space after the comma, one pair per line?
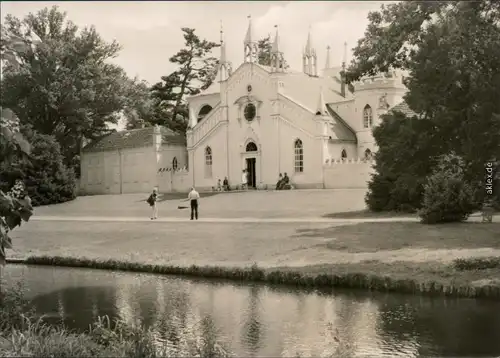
[150,31]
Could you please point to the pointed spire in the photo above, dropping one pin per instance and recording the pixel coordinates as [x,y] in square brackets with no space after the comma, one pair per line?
[308,50]
[327,64]
[321,108]
[275,47]
[249,44]
[222,45]
[344,57]
[249,37]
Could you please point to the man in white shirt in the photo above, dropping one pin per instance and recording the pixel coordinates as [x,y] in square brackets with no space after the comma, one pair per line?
[193,197]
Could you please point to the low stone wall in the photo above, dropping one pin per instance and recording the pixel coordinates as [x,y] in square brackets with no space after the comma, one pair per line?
[347,174]
[174,180]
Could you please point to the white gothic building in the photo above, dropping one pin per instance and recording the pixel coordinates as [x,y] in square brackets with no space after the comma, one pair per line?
[266,119]
[270,120]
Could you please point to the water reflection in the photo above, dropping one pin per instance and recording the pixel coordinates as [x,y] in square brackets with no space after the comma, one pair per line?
[262,321]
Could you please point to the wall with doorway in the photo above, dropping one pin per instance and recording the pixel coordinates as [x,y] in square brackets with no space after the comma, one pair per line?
[348,174]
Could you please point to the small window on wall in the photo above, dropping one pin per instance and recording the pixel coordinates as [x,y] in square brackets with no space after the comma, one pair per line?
[174,163]
[367,116]
[208,162]
[299,156]
[343,155]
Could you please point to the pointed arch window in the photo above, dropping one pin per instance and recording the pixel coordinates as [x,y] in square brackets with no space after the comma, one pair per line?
[343,155]
[174,163]
[368,154]
[367,116]
[208,162]
[299,156]
[251,147]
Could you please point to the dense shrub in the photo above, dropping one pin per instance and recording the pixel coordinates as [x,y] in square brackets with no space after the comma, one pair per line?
[47,179]
[402,162]
[447,196]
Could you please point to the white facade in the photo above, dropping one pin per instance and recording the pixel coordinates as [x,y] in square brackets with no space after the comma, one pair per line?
[302,120]
[265,119]
[133,161]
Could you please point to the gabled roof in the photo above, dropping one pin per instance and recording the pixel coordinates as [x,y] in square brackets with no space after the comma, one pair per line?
[340,128]
[404,108]
[135,138]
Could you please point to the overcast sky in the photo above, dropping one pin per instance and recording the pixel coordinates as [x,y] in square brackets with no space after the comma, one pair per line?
[150,31]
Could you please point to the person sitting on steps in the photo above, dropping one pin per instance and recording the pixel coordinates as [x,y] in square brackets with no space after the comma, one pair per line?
[225,184]
[280,182]
[219,185]
[286,182]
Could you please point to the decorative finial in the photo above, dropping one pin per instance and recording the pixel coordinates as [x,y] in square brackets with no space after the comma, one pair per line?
[221,32]
[249,16]
[328,47]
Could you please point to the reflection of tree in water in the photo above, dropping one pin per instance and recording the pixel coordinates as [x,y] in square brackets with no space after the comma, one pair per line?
[252,332]
[76,305]
[447,327]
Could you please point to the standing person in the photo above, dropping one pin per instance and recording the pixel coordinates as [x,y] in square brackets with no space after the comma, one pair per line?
[244,179]
[193,197]
[152,202]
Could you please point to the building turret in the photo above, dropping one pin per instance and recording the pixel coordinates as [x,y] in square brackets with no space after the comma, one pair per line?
[224,65]
[277,58]
[251,49]
[309,58]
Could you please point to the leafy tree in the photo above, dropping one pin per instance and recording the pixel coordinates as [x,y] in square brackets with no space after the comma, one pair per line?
[64,86]
[451,51]
[15,205]
[139,110]
[196,71]
[447,196]
[264,56]
[47,180]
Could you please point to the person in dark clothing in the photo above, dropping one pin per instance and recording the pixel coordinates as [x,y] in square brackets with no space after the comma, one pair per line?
[225,184]
[286,181]
[280,180]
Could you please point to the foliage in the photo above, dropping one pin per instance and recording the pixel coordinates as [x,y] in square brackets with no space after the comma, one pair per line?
[264,55]
[47,179]
[13,210]
[450,50]
[447,196]
[402,162]
[64,86]
[196,70]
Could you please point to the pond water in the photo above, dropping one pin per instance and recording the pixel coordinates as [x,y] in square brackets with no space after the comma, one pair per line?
[263,321]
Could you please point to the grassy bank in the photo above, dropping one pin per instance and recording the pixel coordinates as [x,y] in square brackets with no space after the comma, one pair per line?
[473,278]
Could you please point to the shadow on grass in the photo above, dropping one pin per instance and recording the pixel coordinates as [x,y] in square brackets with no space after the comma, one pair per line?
[367,214]
[373,237]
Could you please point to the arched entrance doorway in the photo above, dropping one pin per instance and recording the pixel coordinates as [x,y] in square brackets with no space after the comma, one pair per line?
[251,153]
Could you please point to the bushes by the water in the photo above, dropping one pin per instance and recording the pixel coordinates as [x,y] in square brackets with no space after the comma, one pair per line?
[447,196]
[47,179]
[357,280]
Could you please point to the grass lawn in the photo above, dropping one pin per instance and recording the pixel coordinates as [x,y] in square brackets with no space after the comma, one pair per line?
[401,251]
